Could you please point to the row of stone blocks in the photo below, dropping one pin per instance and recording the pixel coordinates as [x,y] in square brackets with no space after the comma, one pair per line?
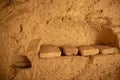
[50,51]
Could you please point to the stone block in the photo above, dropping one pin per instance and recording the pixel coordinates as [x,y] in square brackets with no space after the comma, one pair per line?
[105,49]
[69,50]
[49,51]
[88,50]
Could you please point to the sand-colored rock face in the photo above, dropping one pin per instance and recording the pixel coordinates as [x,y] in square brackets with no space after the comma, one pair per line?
[27,24]
[73,68]
[63,22]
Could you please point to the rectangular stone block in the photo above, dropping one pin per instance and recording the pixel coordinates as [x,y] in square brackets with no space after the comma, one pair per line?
[105,49]
[49,51]
[88,50]
[69,50]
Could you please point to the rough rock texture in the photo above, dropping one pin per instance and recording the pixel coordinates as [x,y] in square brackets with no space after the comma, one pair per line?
[20,61]
[58,22]
[73,68]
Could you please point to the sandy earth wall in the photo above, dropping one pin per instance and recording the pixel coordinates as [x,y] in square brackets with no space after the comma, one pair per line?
[73,68]
[26,24]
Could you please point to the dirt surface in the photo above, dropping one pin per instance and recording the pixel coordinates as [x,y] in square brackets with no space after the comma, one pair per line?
[97,67]
[26,24]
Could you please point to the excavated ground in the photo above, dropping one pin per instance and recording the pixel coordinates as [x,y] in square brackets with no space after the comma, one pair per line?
[26,24]
[98,67]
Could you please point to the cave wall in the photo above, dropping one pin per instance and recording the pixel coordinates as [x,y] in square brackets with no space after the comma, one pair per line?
[26,24]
